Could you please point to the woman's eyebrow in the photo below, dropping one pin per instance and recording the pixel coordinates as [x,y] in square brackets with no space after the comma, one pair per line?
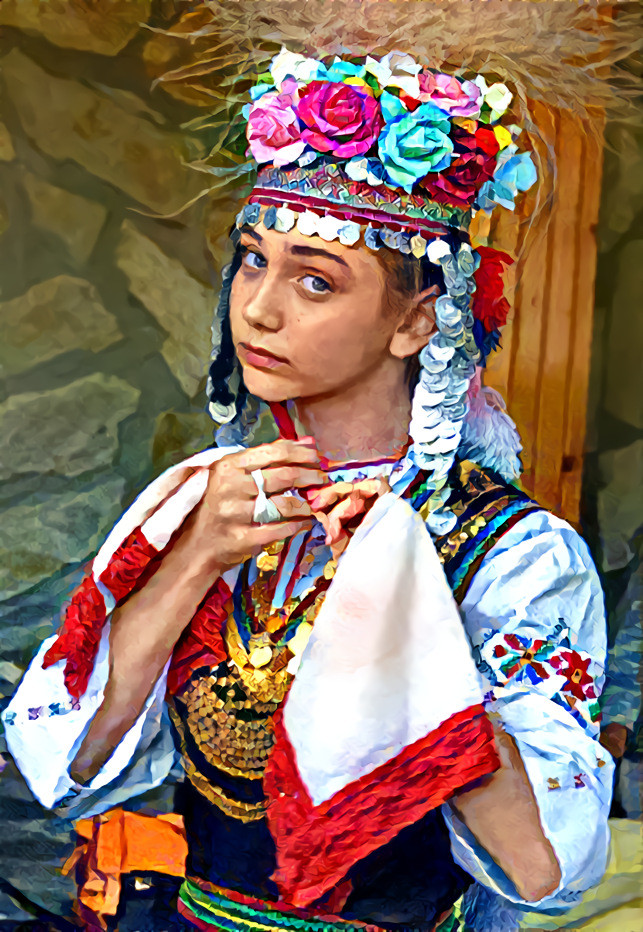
[252,233]
[303,250]
[311,251]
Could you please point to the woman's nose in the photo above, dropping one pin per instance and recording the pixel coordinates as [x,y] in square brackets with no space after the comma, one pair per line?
[263,307]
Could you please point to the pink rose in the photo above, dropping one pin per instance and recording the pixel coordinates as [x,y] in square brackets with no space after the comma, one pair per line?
[457,98]
[339,118]
[273,131]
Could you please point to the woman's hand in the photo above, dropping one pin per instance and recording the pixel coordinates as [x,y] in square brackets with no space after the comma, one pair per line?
[337,505]
[223,521]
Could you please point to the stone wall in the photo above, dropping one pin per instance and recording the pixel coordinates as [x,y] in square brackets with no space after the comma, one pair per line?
[613,478]
[105,311]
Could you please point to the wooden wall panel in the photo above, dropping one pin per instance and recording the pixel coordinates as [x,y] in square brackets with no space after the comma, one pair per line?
[543,368]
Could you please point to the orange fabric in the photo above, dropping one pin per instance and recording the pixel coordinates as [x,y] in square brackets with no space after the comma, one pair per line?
[120,842]
[154,844]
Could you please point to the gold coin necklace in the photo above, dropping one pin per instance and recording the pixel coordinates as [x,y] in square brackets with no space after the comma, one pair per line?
[262,640]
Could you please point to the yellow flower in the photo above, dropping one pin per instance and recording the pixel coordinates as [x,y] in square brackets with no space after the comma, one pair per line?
[503,136]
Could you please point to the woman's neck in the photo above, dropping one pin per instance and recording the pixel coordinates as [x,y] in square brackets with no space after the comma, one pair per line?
[365,421]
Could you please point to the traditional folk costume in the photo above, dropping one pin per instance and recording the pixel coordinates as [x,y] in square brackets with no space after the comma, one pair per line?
[326,711]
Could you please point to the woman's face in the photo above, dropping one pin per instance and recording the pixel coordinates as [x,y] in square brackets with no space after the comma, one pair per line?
[308,317]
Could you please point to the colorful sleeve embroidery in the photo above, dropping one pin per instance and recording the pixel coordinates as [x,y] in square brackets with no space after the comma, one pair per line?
[567,676]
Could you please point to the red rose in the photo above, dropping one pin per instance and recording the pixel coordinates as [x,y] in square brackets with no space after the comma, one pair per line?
[474,164]
[339,118]
[489,304]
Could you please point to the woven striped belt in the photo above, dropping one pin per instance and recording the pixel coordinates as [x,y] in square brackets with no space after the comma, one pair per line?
[210,907]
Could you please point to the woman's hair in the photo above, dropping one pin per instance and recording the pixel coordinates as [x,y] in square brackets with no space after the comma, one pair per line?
[409,275]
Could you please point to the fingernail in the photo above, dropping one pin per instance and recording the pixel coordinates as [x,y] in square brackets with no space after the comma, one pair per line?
[308,441]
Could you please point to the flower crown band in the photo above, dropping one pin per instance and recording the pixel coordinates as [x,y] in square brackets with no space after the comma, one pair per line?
[387,137]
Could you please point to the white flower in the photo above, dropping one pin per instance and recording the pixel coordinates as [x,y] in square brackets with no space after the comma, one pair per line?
[396,70]
[480,82]
[496,96]
[289,63]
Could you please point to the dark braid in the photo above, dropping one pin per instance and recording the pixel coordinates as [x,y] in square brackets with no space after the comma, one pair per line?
[223,363]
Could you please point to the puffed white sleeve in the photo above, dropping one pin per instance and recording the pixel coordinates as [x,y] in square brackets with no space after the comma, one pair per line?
[535,618]
[45,726]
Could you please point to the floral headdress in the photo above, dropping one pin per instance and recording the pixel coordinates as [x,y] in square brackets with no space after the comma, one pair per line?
[389,125]
[398,157]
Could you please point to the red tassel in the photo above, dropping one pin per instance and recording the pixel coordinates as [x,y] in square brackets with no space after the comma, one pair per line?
[79,637]
[489,304]
[283,420]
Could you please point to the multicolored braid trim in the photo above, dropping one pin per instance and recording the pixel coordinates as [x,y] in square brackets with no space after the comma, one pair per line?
[485,507]
[214,908]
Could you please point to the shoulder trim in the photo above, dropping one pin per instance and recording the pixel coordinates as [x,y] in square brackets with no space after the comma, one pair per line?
[485,506]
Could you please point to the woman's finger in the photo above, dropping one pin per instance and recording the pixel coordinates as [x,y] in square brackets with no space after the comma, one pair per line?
[349,508]
[281,452]
[283,478]
[167,486]
[265,534]
[328,495]
[323,498]
[291,507]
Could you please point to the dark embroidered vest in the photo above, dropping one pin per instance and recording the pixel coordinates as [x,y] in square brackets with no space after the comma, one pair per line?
[225,739]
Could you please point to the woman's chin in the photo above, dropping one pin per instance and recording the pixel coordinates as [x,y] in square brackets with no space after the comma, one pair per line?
[267,385]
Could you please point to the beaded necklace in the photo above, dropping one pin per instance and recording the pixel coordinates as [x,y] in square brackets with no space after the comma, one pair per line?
[270,637]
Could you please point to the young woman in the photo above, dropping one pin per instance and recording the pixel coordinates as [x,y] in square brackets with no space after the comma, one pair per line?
[377,659]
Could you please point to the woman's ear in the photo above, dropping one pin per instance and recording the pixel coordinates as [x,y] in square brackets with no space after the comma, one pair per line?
[417,324]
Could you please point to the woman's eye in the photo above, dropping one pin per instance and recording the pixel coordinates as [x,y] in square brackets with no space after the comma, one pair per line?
[251,259]
[316,284]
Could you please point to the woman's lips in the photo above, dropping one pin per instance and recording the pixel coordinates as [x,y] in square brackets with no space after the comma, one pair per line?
[259,358]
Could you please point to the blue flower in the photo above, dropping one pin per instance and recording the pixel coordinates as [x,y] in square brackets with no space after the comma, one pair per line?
[513,174]
[340,70]
[260,89]
[517,173]
[413,144]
